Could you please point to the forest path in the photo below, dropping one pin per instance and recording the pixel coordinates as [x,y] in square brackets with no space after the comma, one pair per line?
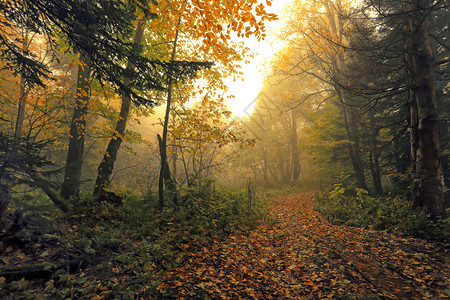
[303,256]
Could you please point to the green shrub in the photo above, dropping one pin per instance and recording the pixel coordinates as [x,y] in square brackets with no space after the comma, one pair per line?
[207,209]
[354,207]
[137,241]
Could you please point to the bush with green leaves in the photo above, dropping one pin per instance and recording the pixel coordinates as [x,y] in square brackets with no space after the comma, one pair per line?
[135,242]
[354,207]
[208,209]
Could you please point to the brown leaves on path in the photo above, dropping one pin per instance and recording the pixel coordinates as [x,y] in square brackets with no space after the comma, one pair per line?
[303,256]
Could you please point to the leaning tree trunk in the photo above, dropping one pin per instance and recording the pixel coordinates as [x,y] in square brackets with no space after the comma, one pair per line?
[107,165]
[164,174]
[72,176]
[22,96]
[426,169]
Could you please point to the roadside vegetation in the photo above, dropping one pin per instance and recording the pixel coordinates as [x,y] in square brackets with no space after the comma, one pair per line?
[112,250]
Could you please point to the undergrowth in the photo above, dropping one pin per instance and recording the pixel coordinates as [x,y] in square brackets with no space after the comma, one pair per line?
[135,242]
[355,207]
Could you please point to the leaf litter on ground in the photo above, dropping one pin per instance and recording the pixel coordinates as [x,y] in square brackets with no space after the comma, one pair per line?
[304,256]
[298,254]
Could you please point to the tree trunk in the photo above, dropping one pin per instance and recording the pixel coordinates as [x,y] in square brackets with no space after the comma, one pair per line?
[348,113]
[107,165]
[22,93]
[294,148]
[353,147]
[4,202]
[373,157]
[444,127]
[426,168]
[284,169]
[402,162]
[375,170]
[265,164]
[164,173]
[72,176]
[445,162]
[174,164]
[18,131]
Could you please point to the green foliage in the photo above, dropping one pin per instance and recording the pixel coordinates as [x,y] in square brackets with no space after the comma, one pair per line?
[281,190]
[135,242]
[326,141]
[206,209]
[210,210]
[354,207]
[100,30]
[21,158]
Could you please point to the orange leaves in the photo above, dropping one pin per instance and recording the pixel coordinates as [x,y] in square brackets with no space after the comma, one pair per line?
[303,256]
[207,20]
[203,127]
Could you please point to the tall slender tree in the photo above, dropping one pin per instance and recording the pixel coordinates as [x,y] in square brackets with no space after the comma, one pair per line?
[106,166]
[74,162]
[426,167]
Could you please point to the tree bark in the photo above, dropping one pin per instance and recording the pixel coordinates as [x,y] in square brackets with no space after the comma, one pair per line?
[164,174]
[426,168]
[107,165]
[375,170]
[72,176]
[4,202]
[348,113]
[18,131]
[445,162]
[56,198]
[353,147]
[174,163]
[373,157]
[294,148]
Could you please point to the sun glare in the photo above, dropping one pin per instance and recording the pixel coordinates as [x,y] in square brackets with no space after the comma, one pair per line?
[246,90]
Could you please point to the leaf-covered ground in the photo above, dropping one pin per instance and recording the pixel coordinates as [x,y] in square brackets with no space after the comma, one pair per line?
[300,255]
[295,254]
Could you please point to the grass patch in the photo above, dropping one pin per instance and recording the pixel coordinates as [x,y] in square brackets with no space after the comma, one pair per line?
[282,190]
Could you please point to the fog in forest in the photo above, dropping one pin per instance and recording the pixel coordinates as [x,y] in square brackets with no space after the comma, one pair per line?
[251,149]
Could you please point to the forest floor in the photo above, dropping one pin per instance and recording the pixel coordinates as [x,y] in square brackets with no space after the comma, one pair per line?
[294,254]
[301,255]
